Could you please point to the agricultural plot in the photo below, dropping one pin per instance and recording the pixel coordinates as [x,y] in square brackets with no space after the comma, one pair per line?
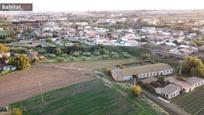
[192,102]
[87,98]
[4,33]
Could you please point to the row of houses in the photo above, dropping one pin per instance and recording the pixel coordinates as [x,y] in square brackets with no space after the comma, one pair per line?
[141,72]
[177,87]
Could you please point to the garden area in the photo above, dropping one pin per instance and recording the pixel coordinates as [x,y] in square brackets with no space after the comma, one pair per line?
[92,97]
[82,52]
[192,102]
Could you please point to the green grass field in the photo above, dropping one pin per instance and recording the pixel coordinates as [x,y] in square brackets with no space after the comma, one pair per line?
[192,102]
[87,98]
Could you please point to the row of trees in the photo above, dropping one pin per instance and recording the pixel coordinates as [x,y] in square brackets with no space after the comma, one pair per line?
[87,51]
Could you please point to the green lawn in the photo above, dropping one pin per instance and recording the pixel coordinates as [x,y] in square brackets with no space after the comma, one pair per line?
[192,102]
[87,98]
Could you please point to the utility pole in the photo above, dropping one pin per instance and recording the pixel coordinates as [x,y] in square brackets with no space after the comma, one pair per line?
[134,81]
[181,65]
[41,93]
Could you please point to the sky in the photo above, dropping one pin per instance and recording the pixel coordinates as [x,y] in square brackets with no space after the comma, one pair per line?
[100,5]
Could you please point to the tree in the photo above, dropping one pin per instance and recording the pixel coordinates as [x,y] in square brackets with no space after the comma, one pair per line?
[58,51]
[200,70]
[197,43]
[49,40]
[193,66]
[21,62]
[193,61]
[136,90]
[4,48]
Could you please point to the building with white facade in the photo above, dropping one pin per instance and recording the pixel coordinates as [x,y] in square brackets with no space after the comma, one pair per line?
[169,91]
[144,71]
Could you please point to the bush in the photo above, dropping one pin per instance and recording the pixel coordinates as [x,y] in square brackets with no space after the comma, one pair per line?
[97,53]
[51,55]
[88,54]
[108,71]
[115,56]
[105,57]
[49,40]
[42,51]
[84,58]
[114,53]
[42,58]
[58,51]
[76,54]
[4,48]
[136,90]
[64,55]
[106,52]
[35,60]
[21,62]
[126,55]
[72,58]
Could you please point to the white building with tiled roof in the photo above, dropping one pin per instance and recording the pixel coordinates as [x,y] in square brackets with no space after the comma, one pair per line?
[143,71]
[169,91]
[195,81]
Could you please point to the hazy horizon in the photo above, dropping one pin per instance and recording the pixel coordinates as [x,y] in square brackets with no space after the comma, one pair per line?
[110,5]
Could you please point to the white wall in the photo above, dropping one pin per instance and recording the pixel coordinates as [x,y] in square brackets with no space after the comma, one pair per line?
[152,74]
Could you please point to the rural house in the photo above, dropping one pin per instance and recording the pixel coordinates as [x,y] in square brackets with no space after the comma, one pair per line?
[185,87]
[195,81]
[177,86]
[143,71]
[169,91]
[5,54]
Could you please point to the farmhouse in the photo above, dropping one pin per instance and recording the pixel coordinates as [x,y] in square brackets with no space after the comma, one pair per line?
[169,91]
[143,71]
[195,81]
[5,54]
[176,86]
[185,87]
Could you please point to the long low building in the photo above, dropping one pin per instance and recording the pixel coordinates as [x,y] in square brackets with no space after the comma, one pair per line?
[169,91]
[143,71]
[176,87]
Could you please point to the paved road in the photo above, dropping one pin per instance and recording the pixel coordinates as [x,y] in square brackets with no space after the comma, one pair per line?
[170,107]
